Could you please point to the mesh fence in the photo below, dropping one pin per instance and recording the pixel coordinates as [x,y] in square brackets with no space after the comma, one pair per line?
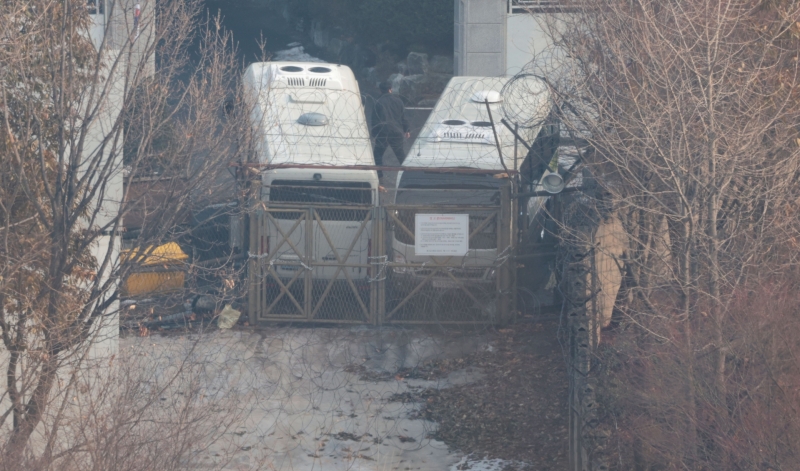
[446,288]
[312,251]
[589,239]
[339,254]
[311,123]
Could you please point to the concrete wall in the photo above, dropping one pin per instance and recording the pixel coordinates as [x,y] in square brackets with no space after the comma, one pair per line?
[108,202]
[480,37]
[525,38]
[492,37]
[113,21]
[124,41]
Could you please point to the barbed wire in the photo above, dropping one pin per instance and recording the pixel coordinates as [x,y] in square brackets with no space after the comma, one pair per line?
[325,391]
[459,132]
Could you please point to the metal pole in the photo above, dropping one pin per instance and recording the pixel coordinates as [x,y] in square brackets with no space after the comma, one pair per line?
[252,266]
[503,246]
[528,194]
[457,170]
[518,216]
[380,312]
[516,134]
[372,274]
[496,140]
[308,259]
[516,139]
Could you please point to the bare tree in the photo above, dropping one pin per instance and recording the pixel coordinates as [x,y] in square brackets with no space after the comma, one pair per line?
[82,114]
[690,110]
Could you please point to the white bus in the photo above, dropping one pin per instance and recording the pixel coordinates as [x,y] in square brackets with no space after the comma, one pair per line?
[312,114]
[458,134]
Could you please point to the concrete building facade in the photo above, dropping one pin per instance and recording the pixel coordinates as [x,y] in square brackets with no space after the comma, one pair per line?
[499,37]
[115,25]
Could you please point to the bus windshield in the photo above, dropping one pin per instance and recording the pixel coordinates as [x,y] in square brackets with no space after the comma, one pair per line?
[419,187]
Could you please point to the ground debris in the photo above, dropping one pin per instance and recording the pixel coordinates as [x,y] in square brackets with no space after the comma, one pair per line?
[428,371]
[412,396]
[344,436]
[517,411]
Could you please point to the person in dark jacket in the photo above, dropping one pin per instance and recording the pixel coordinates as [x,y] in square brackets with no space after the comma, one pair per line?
[389,125]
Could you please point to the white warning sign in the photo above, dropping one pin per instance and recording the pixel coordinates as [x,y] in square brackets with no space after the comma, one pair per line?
[441,234]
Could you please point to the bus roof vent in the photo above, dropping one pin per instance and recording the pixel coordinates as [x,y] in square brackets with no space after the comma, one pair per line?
[313,119]
[483,96]
[454,122]
[296,81]
[320,70]
[455,130]
[303,75]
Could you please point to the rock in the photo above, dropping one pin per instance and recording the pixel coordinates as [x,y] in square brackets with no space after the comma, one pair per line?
[418,87]
[409,86]
[204,304]
[437,82]
[354,55]
[371,75]
[441,65]
[402,69]
[417,63]
[395,80]
[295,54]
[228,317]
[319,34]
[335,45]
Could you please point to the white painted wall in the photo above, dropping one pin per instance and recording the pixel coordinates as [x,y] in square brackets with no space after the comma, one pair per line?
[493,38]
[114,21]
[525,38]
[96,366]
[97,12]
[108,203]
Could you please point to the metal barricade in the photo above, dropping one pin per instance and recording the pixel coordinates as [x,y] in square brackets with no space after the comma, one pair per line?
[313,261]
[472,288]
[310,260]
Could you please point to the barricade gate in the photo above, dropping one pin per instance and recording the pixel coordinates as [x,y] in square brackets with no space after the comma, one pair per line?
[299,272]
[317,262]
